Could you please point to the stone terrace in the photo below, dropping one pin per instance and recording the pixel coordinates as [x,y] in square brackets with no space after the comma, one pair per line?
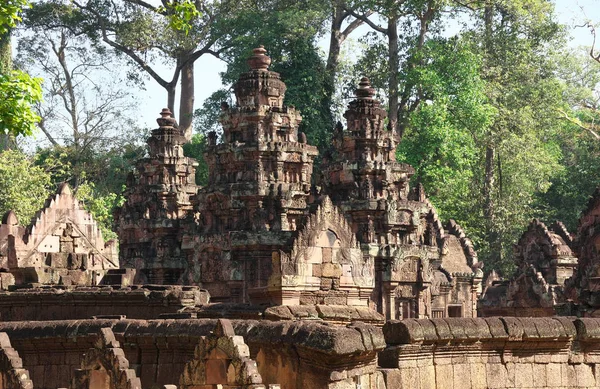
[412,353]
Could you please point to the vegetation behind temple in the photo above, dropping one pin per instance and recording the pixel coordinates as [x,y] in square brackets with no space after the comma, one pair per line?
[495,120]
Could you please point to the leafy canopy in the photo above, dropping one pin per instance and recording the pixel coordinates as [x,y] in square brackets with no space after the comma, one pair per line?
[10,14]
[23,186]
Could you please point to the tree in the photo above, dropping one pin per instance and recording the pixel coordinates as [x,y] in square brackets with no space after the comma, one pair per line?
[85,106]
[341,13]
[18,91]
[195,149]
[100,206]
[479,112]
[568,195]
[520,84]
[405,41]
[23,186]
[441,138]
[178,33]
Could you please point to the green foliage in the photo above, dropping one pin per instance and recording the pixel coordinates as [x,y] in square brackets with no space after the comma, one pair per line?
[441,141]
[100,206]
[195,149]
[18,93]
[288,30]
[206,118]
[181,14]
[10,14]
[23,186]
[98,179]
[568,195]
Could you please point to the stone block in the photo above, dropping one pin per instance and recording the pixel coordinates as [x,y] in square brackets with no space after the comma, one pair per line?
[409,377]
[585,375]
[568,325]
[442,329]
[427,377]
[478,376]
[553,375]
[444,377]
[514,327]
[429,332]
[496,327]
[402,332]
[549,328]
[462,375]
[392,378]
[539,375]
[344,384]
[587,328]
[523,375]
[569,379]
[496,375]
[331,270]
[510,374]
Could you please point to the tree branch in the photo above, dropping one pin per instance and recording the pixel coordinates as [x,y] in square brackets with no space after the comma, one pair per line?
[368,21]
[145,5]
[579,124]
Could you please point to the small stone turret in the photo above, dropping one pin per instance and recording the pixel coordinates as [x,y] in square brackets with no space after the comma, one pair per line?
[157,201]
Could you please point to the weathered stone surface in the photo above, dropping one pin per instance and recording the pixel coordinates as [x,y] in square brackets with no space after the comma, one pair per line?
[403,331]
[423,269]
[12,373]
[544,262]
[222,358]
[77,302]
[105,366]
[157,201]
[62,245]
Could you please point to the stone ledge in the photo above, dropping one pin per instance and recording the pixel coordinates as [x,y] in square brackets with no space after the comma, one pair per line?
[311,336]
[467,330]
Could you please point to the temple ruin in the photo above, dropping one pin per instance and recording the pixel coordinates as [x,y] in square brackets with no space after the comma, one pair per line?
[62,245]
[263,279]
[544,262]
[260,231]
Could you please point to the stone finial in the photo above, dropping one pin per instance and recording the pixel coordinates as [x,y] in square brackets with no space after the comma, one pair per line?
[259,61]
[364,90]
[64,189]
[166,119]
[10,218]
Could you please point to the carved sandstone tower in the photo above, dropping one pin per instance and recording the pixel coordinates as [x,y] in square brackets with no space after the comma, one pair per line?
[262,236]
[258,189]
[396,227]
[157,200]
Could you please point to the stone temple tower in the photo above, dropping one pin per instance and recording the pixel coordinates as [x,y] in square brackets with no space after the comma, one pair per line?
[157,201]
[258,190]
[397,227]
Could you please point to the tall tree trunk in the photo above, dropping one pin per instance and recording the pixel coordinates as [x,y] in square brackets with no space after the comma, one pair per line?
[171,89]
[489,206]
[7,141]
[186,100]
[335,46]
[393,60]
[5,54]
[70,100]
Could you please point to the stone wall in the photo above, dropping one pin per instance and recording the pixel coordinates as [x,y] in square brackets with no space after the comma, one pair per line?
[70,303]
[294,354]
[492,353]
[452,353]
